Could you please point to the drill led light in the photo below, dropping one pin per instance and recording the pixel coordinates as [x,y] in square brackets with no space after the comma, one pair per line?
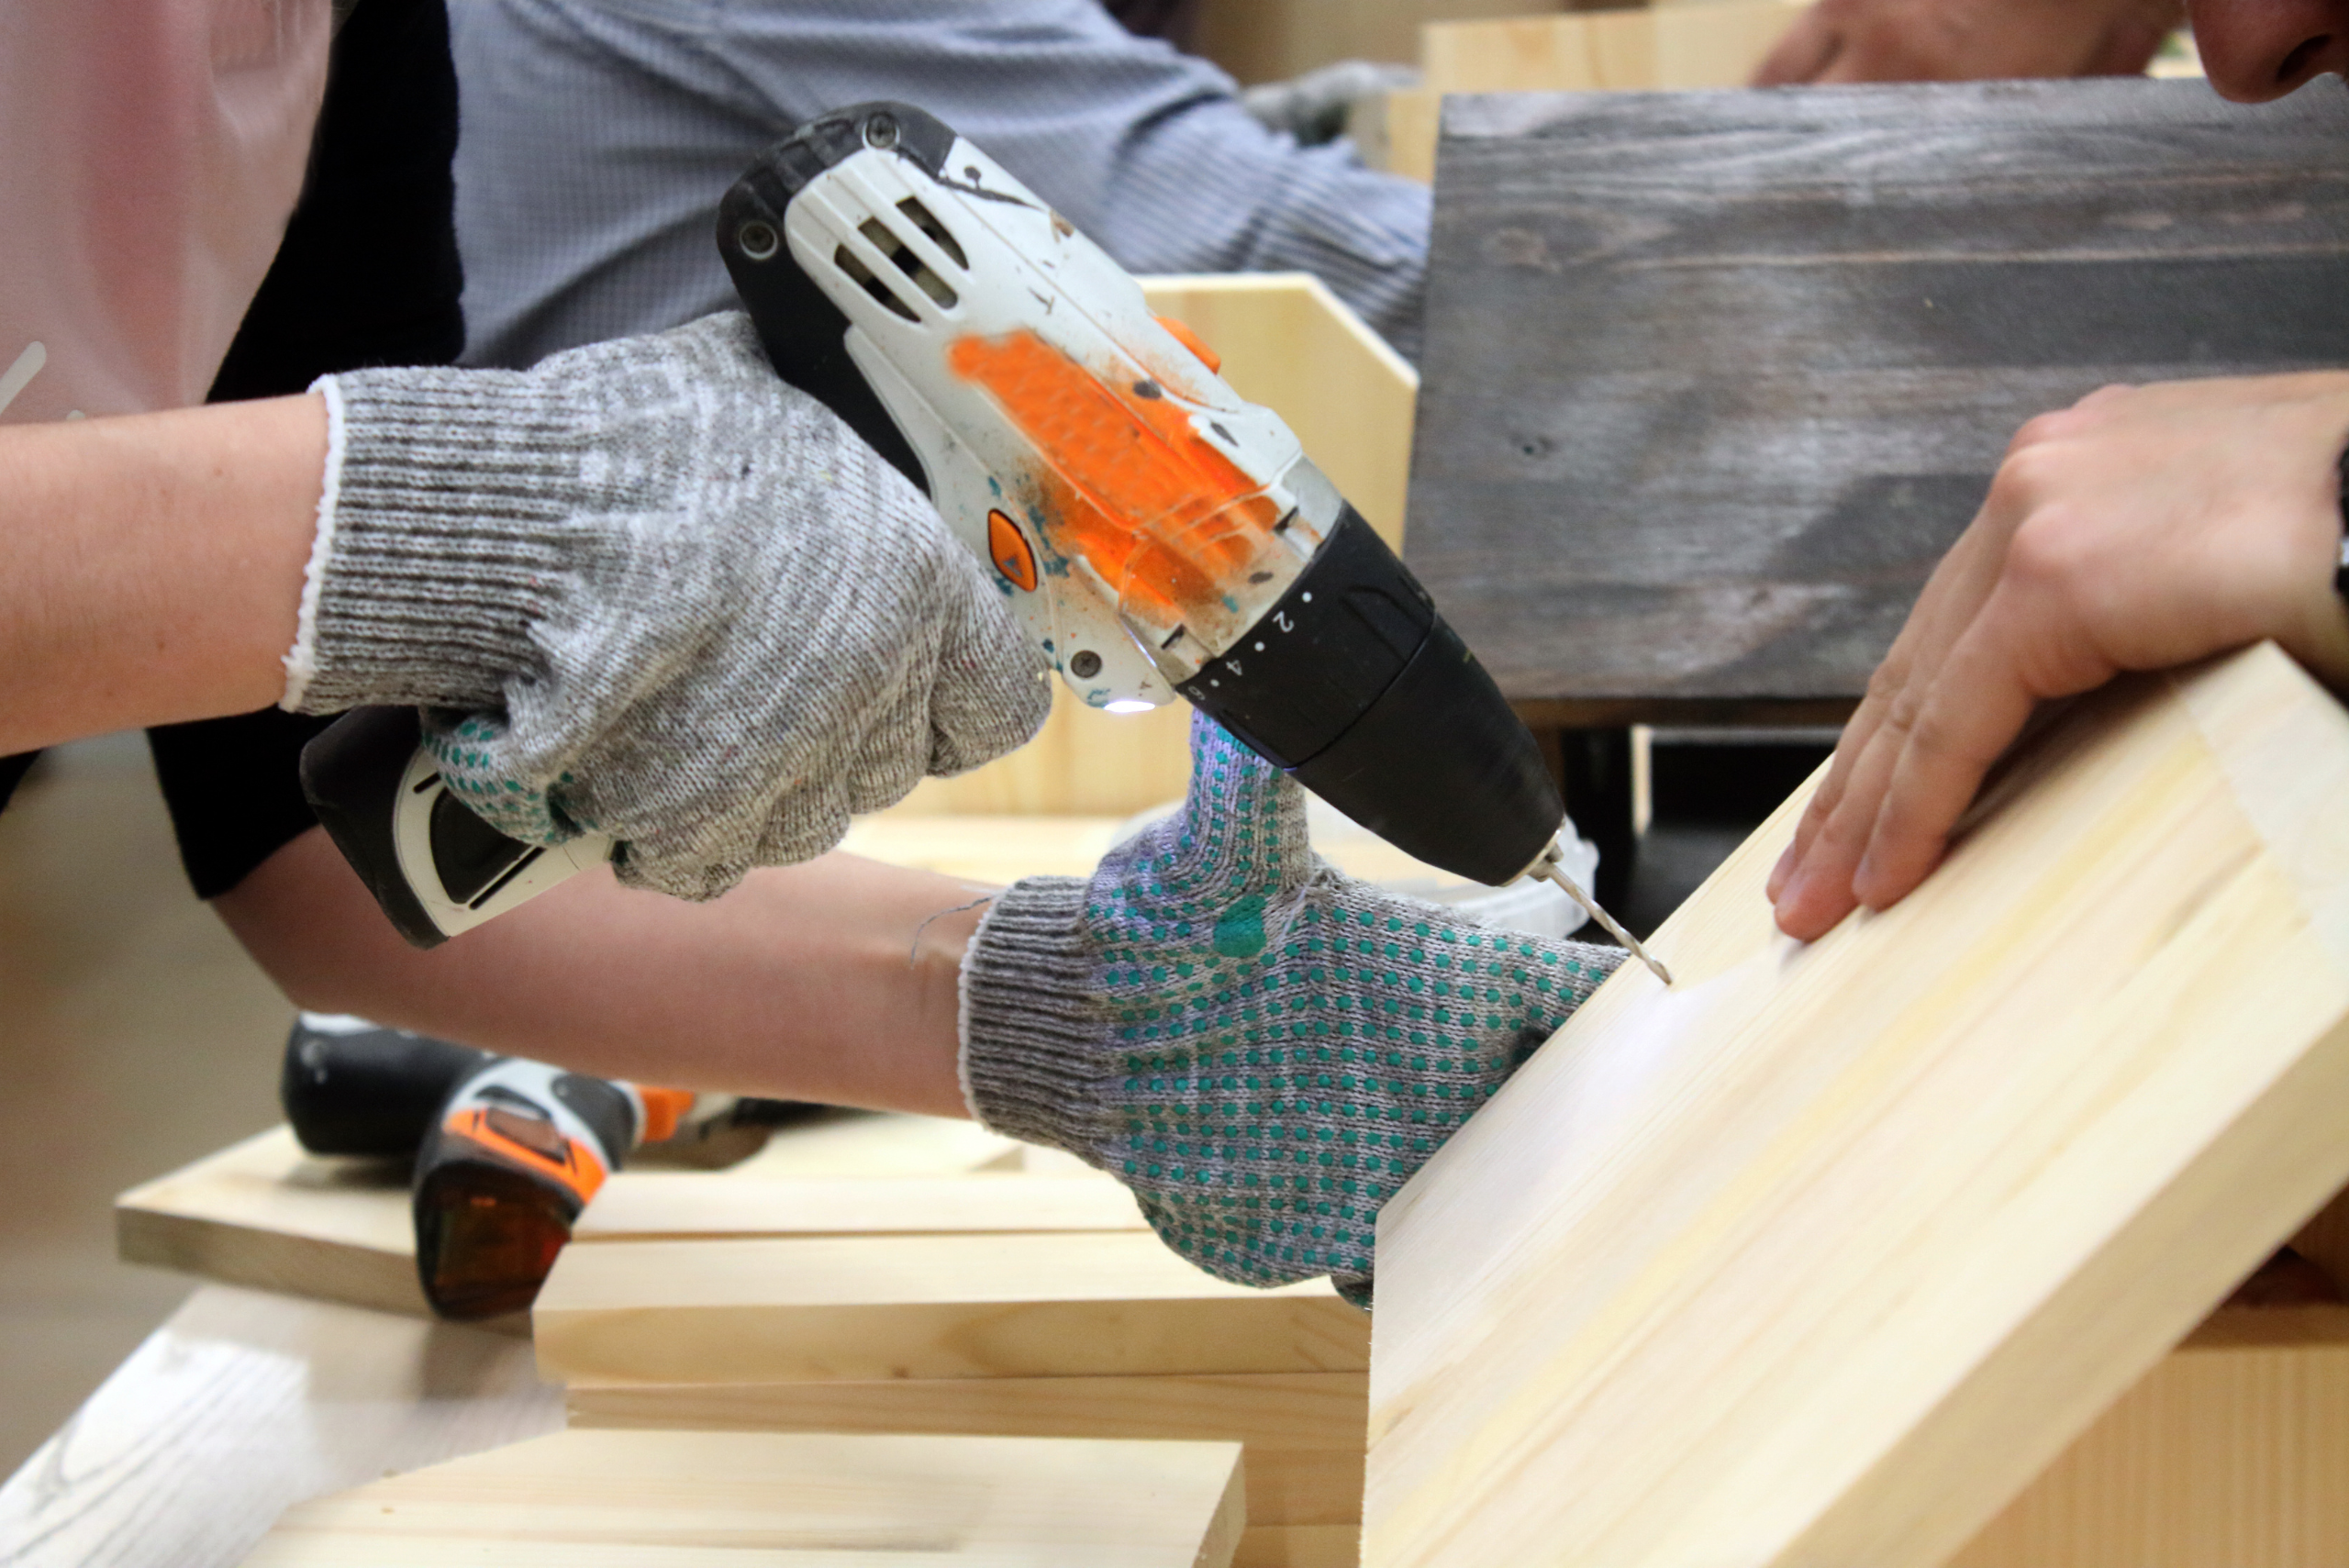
[1128,705]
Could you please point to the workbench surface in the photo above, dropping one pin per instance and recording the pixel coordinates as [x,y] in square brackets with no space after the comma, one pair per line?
[245,1402]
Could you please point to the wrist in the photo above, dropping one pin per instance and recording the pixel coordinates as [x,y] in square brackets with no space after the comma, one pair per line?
[1031,1059]
[437,547]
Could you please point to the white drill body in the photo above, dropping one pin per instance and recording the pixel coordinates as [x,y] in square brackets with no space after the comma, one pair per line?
[1009,266]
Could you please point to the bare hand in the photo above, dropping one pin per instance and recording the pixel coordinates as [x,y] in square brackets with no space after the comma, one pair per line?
[1965,40]
[2141,528]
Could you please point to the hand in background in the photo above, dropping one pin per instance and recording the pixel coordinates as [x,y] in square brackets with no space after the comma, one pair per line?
[1962,40]
[2141,528]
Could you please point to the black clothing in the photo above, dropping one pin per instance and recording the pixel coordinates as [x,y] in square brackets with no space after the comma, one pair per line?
[12,774]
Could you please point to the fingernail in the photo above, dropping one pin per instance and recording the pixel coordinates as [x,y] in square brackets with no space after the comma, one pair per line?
[1778,873]
[1790,895]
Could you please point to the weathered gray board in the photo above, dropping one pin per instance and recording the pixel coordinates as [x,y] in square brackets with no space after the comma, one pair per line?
[1713,378]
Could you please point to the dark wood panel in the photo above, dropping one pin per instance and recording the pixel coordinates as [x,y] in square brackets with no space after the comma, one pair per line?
[1713,378]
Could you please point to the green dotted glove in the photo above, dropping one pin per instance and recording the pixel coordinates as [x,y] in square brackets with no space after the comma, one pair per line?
[1263,1049]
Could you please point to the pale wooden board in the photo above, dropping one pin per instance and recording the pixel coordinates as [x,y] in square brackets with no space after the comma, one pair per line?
[1303,1431]
[263,1213]
[676,1204]
[1288,343]
[995,851]
[1299,1546]
[1820,1256]
[1703,43]
[2233,1450]
[245,1402]
[584,1500]
[1110,1304]
[1697,44]
[1294,1410]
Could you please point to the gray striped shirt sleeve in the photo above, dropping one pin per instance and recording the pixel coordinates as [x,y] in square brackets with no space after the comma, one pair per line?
[598,135]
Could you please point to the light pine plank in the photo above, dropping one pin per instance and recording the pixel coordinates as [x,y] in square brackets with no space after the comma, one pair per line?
[1823,1254]
[713,1500]
[1700,43]
[665,1204]
[923,1306]
[263,1213]
[1703,43]
[1299,1546]
[1292,1411]
[2234,1449]
[1303,1431]
[246,1402]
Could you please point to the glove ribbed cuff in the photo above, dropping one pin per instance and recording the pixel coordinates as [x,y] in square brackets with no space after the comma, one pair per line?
[1032,1065]
[439,537]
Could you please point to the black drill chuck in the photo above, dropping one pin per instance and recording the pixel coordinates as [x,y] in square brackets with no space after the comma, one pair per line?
[1354,685]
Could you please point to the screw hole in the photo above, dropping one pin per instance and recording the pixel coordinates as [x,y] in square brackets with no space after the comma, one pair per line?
[757,239]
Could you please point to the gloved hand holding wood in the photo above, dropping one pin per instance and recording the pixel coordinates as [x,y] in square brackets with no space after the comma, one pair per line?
[1263,1049]
[665,595]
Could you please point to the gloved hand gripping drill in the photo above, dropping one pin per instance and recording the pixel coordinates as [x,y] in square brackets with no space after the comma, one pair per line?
[1154,533]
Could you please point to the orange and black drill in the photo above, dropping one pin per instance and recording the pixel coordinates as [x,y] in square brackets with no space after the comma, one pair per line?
[507,1150]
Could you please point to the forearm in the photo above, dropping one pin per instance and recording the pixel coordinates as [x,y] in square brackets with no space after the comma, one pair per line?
[154,565]
[830,981]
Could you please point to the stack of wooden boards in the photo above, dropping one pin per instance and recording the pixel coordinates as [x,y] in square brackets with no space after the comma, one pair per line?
[999,1305]
[1890,1250]
[263,1213]
[900,1279]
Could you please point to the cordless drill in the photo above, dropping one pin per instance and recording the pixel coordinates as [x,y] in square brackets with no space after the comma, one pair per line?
[508,1152]
[1155,534]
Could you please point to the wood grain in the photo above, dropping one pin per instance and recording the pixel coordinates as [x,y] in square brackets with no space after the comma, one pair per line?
[1303,1431]
[1823,1254]
[246,1402]
[923,1306]
[586,1499]
[2234,1449]
[263,1213]
[1713,378]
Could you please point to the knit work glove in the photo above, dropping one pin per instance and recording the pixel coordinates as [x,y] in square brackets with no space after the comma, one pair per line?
[683,603]
[1263,1049]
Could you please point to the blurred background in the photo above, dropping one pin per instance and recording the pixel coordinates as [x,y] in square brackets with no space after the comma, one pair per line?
[135,1036]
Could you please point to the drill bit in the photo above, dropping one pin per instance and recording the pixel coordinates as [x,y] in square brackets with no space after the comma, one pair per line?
[1557,874]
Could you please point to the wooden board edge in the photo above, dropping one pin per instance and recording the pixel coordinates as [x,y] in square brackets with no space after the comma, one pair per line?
[1299,1546]
[268,1259]
[2305,1157]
